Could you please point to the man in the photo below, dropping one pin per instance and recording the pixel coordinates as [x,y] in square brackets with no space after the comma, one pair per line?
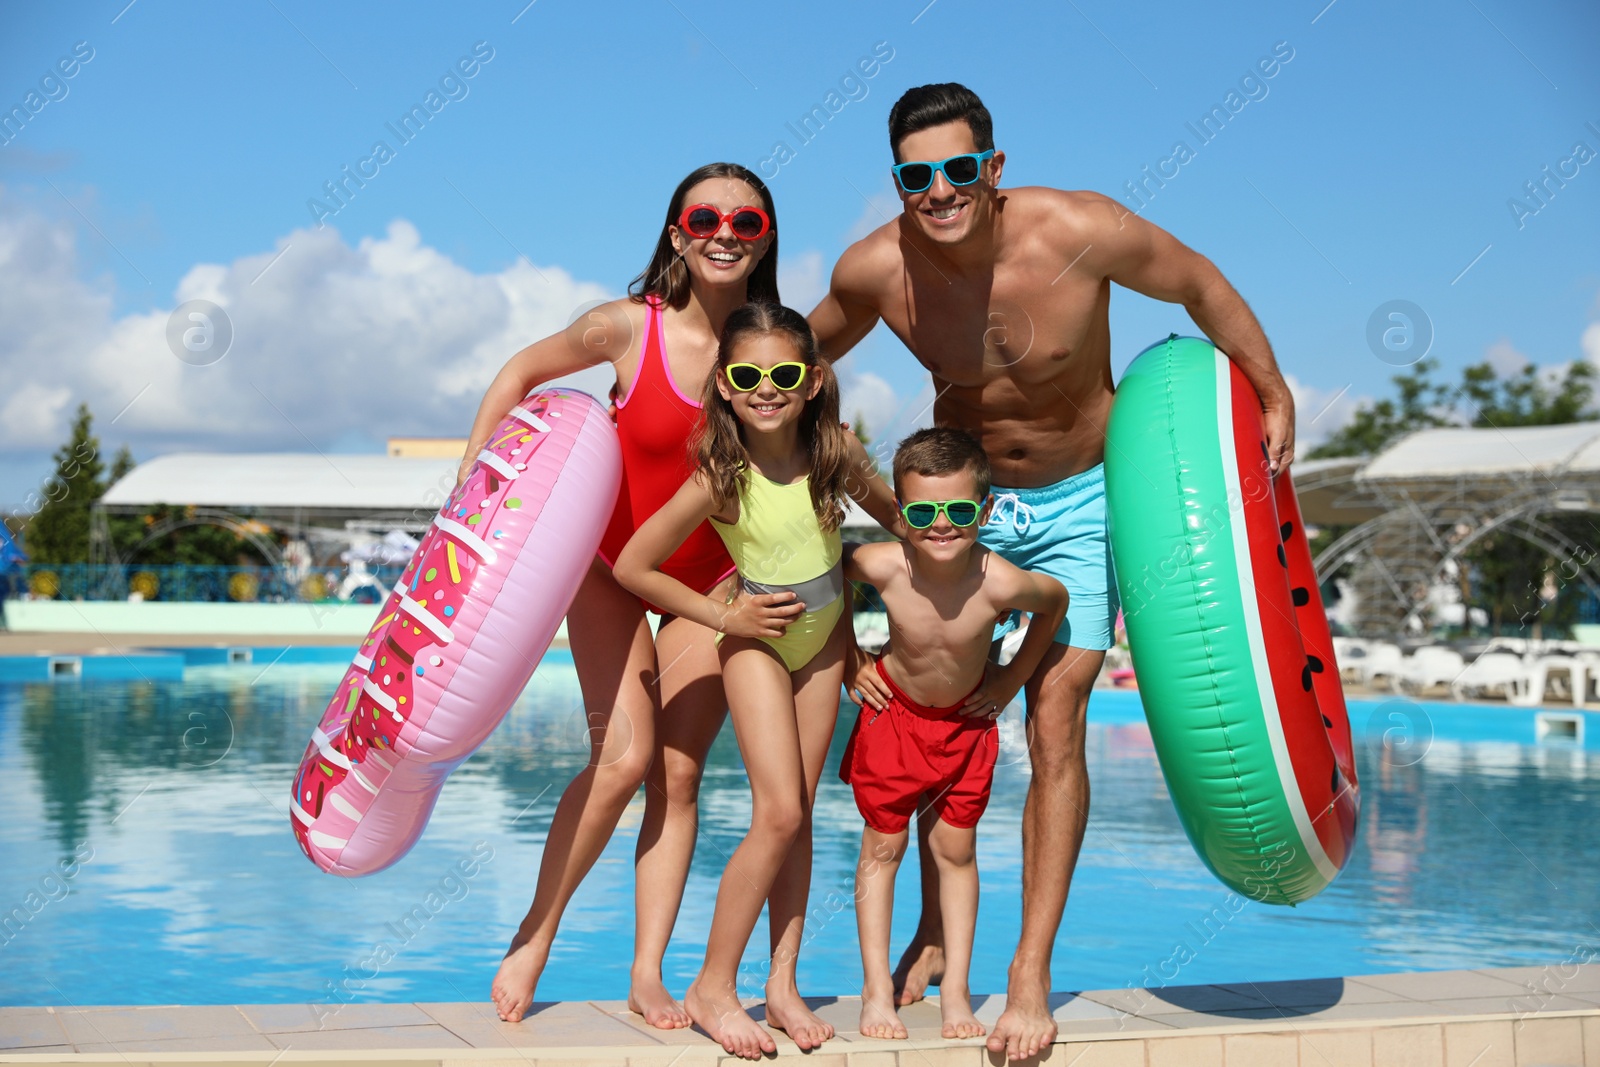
[1004,297]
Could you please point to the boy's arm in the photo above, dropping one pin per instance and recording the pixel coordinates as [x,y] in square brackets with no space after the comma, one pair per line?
[638,569]
[1044,598]
[861,681]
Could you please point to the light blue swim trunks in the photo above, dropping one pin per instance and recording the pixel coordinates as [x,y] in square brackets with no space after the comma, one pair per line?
[1060,530]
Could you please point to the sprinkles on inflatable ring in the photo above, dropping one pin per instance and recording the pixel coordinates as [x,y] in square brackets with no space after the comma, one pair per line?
[461,633]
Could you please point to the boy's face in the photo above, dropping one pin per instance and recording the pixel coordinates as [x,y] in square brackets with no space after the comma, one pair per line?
[944,541]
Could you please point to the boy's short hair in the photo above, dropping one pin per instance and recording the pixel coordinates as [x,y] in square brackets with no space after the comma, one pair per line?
[926,106]
[942,450]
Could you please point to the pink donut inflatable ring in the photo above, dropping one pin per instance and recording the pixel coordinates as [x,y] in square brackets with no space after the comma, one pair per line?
[461,634]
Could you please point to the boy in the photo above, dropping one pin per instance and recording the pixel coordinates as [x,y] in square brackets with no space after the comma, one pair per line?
[925,740]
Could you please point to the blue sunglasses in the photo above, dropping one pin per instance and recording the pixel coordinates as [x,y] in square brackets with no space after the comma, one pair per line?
[957,170]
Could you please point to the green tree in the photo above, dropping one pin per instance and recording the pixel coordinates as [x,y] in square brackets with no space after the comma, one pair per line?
[1423,403]
[1525,398]
[59,529]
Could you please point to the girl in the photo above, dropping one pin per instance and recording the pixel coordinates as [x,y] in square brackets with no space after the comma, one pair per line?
[773,464]
[717,248]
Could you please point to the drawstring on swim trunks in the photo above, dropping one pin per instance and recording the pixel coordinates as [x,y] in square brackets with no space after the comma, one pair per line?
[1021,513]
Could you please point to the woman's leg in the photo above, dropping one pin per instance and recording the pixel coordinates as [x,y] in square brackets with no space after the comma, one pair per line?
[692,712]
[615,659]
[761,697]
[817,686]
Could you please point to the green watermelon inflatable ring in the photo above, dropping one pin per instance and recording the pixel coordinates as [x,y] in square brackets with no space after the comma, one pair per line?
[1230,643]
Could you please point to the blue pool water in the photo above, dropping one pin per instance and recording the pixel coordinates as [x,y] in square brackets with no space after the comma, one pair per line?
[165,805]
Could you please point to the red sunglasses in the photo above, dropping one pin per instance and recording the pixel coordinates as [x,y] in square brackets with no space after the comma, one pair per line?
[703,220]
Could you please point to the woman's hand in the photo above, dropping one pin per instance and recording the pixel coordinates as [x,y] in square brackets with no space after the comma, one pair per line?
[999,688]
[466,467]
[760,615]
[863,682]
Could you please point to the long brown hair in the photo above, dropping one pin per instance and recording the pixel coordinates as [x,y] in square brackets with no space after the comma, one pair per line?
[667,278]
[718,447]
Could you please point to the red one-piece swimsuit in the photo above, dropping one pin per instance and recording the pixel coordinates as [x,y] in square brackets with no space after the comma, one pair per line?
[655,421]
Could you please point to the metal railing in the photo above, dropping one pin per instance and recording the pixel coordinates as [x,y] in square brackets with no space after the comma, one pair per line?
[189,583]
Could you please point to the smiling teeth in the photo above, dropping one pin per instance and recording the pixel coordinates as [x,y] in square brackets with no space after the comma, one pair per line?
[723,257]
[945,212]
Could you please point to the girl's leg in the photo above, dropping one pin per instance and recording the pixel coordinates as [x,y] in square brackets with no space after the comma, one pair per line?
[816,699]
[615,659]
[954,850]
[875,871]
[692,712]
[761,697]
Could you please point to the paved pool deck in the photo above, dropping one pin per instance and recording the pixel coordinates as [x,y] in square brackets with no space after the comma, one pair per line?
[1515,1017]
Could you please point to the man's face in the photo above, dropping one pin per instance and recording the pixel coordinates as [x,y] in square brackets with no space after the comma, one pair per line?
[947,213]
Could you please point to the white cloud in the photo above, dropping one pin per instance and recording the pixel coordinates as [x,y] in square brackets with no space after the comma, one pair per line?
[330,341]
[881,207]
[802,282]
[1318,412]
[1591,342]
[1504,358]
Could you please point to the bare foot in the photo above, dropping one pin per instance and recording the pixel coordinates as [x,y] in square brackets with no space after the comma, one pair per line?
[724,1018]
[517,977]
[955,1010]
[1025,1026]
[878,1017]
[787,1012]
[921,966]
[649,997]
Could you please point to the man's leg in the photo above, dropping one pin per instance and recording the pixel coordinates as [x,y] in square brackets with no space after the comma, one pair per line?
[1053,821]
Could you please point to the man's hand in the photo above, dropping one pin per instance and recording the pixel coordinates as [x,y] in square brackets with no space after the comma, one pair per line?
[1277,417]
[999,688]
[762,615]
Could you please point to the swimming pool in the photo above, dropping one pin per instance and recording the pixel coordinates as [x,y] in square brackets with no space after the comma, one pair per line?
[148,850]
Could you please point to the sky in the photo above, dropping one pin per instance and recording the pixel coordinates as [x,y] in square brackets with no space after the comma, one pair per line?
[177,151]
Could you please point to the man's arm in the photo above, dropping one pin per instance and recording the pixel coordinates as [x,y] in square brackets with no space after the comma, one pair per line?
[1147,259]
[850,310]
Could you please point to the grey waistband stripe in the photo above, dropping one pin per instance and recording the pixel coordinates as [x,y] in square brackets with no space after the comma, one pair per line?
[815,593]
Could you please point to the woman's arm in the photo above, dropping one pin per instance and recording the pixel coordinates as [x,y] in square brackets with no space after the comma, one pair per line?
[586,343]
[638,569]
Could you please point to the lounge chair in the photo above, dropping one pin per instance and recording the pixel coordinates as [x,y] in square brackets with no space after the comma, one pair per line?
[1539,671]
[1428,667]
[1493,673]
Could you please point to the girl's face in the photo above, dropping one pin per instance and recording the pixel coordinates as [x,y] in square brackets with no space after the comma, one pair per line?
[721,259]
[767,409]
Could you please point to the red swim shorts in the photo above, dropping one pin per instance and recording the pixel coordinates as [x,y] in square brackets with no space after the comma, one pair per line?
[907,758]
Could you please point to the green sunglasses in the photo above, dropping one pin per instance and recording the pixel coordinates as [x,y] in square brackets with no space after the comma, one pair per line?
[924,513]
[746,377]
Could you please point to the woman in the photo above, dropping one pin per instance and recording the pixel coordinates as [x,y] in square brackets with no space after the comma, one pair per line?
[653,707]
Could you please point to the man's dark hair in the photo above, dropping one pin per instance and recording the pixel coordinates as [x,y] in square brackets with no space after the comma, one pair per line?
[942,450]
[935,105]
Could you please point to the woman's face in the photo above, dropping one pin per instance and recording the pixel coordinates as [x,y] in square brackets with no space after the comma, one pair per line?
[721,259]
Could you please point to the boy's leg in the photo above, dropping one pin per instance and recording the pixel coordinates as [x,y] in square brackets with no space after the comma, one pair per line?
[761,699]
[954,850]
[816,707]
[922,963]
[875,872]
